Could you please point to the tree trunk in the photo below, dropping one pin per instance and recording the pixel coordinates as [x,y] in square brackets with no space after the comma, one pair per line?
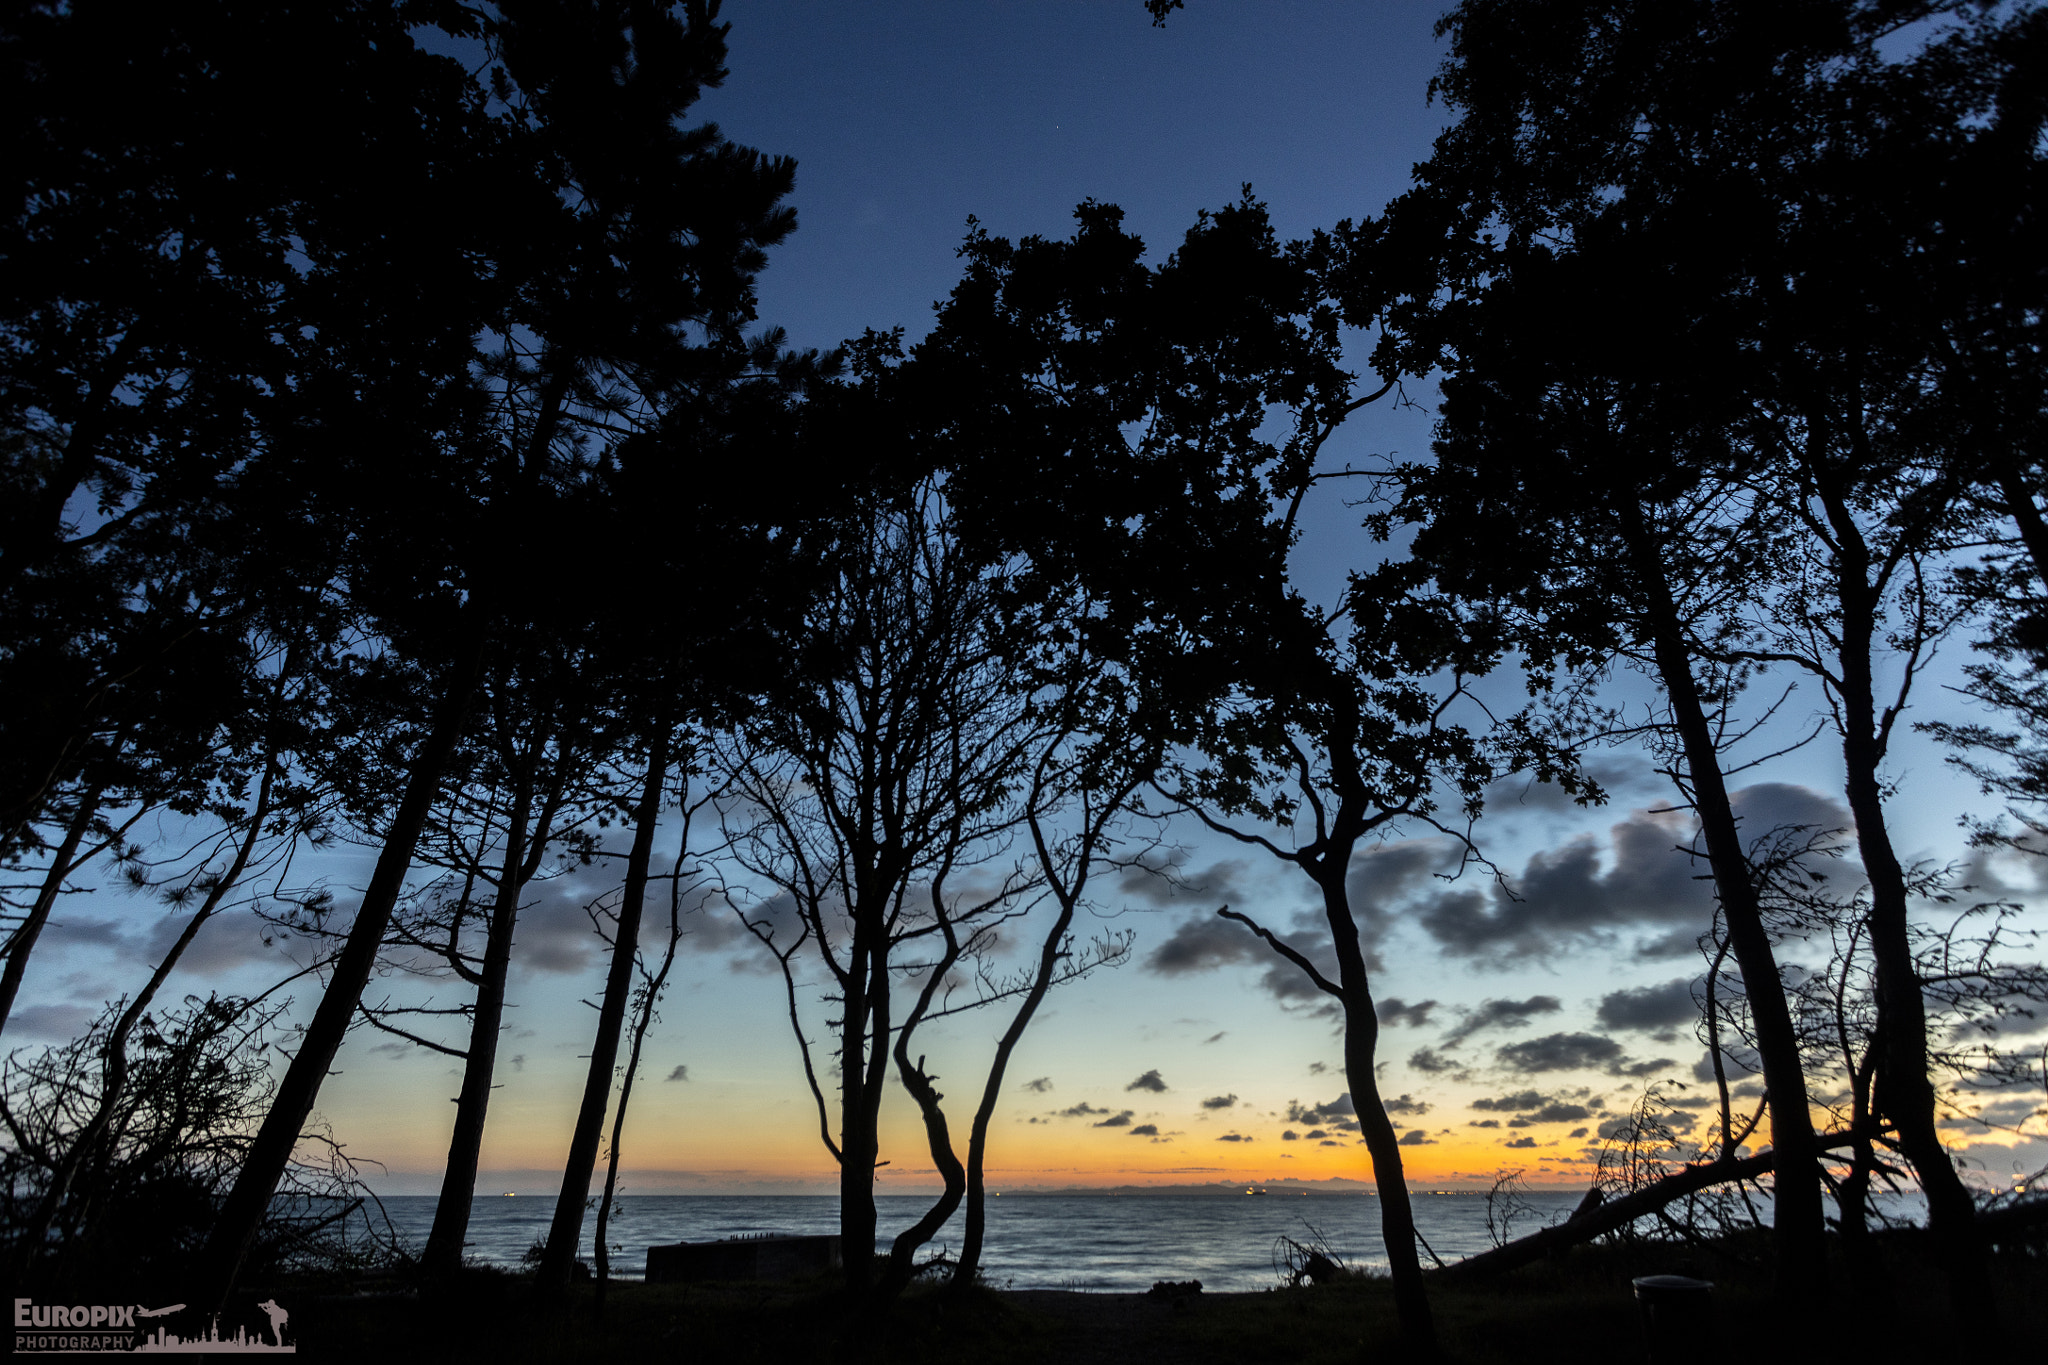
[641,1023]
[443,1254]
[1591,1221]
[30,929]
[1383,1145]
[902,1253]
[1907,1088]
[567,1229]
[1361,1045]
[241,1216]
[864,1048]
[1798,1217]
[991,1091]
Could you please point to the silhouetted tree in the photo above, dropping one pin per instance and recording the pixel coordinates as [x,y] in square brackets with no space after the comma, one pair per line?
[614,242]
[884,770]
[1755,192]
[1151,434]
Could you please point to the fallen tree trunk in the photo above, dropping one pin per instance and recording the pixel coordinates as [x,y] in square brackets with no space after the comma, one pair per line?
[1591,1219]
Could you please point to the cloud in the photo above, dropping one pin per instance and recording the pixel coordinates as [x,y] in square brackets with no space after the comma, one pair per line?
[1339,1113]
[1207,941]
[681,1073]
[1415,1137]
[1219,1101]
[1431,1062]
[1737,1061]
[1233,1137]
[1650,1009]
[1081,1111]
[1145,1130]
[223,943]
[1575,1052]
[1559,1052]
[53,1023]
[1122,1120]
[555,935]
[1520,1142]
[1396,1013]
[1640,881]
[1039,1086]
[1482,1123]
[1382,877]
[1149,1081]
[1501,1014]
[1212,1038]
[1403,1104]
[1318,1068]
[1161,881]
[1513,1104]
[1551,1113]
[1290,1136]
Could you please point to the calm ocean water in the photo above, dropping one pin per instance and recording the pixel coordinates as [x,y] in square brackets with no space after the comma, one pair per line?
[1089,1242]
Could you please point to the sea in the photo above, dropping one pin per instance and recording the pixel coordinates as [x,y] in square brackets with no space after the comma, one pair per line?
[1085,1242]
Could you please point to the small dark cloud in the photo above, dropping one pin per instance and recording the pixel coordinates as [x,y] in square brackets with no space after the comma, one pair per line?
[1501,1014]
[1163,880]
[50,1023]
[519,1062]
[1219,1102]
[1650,1009]
[1735,1061]
[1329,1142]
[1317,1133]
[1560,1052]
[681,1073]
[1405,1104]
[1397,1013]
[1038,1086]
[1318,1068]
[1290,1136]
[1203,942]
[1213,1038]
[1431,1062]
[1638,1070]
[1482,1123]
[1415,1137]
[1145,1130]
[1233,1137]
[1560,1113]
[1520,1142]
[1513,1104]
[1577,1133]
[1339,1113]
[1149,1081]
[1122,1120]
[1081,1111]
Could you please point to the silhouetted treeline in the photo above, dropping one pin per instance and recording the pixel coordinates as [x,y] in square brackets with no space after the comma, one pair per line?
[388,458]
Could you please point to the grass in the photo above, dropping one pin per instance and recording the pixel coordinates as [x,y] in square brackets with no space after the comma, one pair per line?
[1577,1308]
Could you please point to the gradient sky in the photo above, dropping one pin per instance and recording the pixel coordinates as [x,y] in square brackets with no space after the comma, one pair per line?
[1514,1027]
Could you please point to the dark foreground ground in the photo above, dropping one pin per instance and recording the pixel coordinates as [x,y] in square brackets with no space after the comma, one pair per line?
[1576,1309]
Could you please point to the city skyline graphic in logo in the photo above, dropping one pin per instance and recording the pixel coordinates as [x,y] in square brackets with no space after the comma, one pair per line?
[132,1329]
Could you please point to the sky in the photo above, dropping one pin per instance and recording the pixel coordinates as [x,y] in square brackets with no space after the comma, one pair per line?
[1516,1026]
